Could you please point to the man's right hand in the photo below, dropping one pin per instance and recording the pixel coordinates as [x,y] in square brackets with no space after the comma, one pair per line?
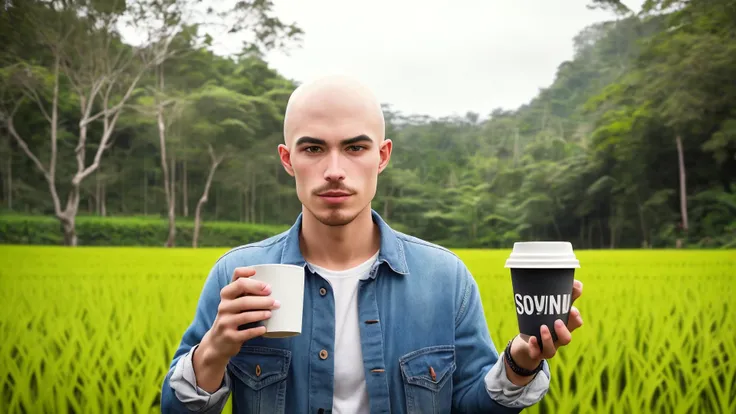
[242,302]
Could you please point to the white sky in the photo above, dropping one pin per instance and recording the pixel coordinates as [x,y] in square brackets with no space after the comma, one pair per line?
[436,57]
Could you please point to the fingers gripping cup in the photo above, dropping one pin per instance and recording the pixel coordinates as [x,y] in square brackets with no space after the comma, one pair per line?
[287,286]
[542,276]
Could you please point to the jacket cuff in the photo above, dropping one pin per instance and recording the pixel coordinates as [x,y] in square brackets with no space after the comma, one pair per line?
[508,394]
[184,384]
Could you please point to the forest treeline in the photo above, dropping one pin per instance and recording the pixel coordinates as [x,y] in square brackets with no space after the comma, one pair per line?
[632,145]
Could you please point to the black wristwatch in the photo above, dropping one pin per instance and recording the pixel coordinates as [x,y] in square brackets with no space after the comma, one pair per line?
[517,369]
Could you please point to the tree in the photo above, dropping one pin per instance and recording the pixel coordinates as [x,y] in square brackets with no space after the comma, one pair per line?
[89,66]
[224,123]
[163,21]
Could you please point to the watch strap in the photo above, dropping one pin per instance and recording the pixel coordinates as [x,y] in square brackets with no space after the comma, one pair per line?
[516,368]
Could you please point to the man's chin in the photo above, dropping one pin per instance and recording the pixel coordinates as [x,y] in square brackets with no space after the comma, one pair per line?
[335,217]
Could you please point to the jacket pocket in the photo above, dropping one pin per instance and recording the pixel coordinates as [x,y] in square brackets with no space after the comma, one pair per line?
[427,375]
[259,379]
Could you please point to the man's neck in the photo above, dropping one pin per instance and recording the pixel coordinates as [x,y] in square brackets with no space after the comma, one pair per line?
[339,247]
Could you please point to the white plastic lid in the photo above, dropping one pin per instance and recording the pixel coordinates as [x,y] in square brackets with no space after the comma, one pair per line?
[542,255]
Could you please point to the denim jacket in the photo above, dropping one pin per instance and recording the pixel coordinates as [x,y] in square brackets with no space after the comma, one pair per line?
[419,308]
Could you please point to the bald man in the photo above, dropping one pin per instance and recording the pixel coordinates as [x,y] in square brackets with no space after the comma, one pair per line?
[391,323]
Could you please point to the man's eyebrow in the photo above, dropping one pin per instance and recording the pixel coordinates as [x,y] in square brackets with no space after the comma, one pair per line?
[355,140]
[317,141]
[310,140]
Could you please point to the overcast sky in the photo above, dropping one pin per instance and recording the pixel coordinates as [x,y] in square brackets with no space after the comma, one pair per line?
[436,57]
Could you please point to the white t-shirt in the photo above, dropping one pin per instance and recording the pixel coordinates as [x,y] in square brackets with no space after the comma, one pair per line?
[351,395]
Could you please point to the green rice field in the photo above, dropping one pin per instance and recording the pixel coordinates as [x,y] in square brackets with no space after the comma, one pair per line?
[94,329]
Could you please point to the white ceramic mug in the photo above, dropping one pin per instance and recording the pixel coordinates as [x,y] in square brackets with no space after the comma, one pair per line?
[287,286]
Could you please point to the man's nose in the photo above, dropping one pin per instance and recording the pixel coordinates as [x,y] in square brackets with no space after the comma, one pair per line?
[334,171]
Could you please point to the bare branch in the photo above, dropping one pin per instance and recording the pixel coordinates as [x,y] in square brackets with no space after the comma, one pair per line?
[211,152]
[118,58]
[31,94]
[86,111]
[216,160]
[22,143]
[54,128]
[86,120]
[109,128]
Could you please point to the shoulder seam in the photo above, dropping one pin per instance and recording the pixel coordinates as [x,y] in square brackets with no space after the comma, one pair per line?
[420,242]
[276,239]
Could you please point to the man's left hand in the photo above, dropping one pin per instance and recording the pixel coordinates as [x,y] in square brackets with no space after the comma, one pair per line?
[525,349]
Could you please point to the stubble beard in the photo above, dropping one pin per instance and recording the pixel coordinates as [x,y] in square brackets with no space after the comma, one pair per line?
[336,216]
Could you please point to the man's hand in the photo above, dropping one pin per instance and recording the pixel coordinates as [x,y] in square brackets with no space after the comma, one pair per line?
[525,349]
[243,301]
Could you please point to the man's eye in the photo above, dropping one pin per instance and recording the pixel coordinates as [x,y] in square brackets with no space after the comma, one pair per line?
[312,149]
[356,148]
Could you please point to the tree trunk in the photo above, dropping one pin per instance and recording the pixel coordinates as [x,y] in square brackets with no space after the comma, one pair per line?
[253,196]
[582,233]
[97,193]
[10,176]
[123,210]
[385,207]
[185,190]
[642,223]
[103,202]
[217,204]
[198,211]
[68,216]
[557,228]
[261,209]
[69,230]
[683,186]
[590,235]
[164,162]
[246,203]
[172,182]
[612,240]
[612,227]
[240,205]
[145,188]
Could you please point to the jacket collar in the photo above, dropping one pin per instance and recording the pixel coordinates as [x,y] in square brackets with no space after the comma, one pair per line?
[391,250]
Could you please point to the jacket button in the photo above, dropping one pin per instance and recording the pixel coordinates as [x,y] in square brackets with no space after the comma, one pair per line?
[323,354]
[258,370]
[322,291]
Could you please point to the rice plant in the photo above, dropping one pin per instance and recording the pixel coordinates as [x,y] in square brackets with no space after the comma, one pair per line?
[94,329]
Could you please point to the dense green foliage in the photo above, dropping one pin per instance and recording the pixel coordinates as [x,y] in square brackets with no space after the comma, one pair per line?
[592,159]
[94,329]
[130,231]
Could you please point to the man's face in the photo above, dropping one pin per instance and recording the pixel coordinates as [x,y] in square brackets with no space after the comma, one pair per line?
[335,153]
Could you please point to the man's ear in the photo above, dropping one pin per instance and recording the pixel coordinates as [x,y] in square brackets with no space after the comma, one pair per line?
[385,154]
[285,157]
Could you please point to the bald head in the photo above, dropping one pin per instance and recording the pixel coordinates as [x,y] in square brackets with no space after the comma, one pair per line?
[335,103]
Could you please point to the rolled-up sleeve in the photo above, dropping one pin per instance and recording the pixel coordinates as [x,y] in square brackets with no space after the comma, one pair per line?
[506,393]
[184,383]
[179,391]
[481,384]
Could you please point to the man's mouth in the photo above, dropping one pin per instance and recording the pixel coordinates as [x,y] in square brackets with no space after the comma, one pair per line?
[334,197]
[334,194]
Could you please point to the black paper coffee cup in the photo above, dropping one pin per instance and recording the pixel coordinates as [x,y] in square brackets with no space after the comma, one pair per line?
[542,276]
